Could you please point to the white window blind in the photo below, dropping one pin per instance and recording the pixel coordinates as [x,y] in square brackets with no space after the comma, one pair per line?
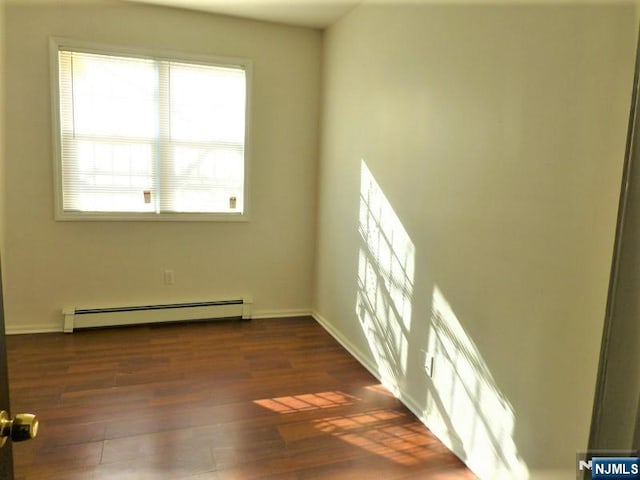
[149,136]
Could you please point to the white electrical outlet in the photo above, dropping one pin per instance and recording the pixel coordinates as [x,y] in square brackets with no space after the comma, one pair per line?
[428,363]
[169,278]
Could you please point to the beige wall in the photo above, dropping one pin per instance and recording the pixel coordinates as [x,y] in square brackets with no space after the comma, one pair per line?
[615,422]
[52,264]
[618,395]
[2,137]
[495,138]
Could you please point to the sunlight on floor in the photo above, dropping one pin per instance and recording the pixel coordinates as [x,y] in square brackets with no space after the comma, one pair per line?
[391,435]
[395,436]
[311,401]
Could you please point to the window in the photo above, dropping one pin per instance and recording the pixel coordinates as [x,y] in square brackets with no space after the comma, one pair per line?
[148,137]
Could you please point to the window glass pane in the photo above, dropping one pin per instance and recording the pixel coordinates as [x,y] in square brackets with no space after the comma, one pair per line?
[207,103]
[114,96]
[150,136]
[208,166]
[206,179]
[102,177]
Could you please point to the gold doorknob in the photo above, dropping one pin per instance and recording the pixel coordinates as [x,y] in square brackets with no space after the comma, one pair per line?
[23,427]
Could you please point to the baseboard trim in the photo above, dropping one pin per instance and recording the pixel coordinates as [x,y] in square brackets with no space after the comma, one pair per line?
[31,329]
[367,363]
[257,314]
[350,347]
[284,313]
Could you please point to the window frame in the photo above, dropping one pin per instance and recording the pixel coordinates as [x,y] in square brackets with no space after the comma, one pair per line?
[57,43]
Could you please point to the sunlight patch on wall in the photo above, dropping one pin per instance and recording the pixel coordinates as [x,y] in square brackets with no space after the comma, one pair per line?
[386,263]
[474,415]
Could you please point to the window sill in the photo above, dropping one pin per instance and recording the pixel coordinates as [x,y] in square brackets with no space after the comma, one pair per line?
[152,217]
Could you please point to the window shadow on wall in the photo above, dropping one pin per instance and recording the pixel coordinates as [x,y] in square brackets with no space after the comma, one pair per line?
[467,399]
[463,403]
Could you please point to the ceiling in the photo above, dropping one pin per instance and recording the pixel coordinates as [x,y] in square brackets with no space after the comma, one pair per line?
[306,13]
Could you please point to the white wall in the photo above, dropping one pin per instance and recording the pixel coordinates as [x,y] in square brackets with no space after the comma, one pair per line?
[494,136]
[52,264]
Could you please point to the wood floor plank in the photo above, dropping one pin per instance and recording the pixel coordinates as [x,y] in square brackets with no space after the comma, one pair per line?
[261,399]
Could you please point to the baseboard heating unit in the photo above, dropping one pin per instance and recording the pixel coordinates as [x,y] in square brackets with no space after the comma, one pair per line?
[78,318]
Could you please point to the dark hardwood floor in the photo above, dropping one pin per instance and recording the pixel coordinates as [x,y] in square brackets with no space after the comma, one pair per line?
[260,399]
